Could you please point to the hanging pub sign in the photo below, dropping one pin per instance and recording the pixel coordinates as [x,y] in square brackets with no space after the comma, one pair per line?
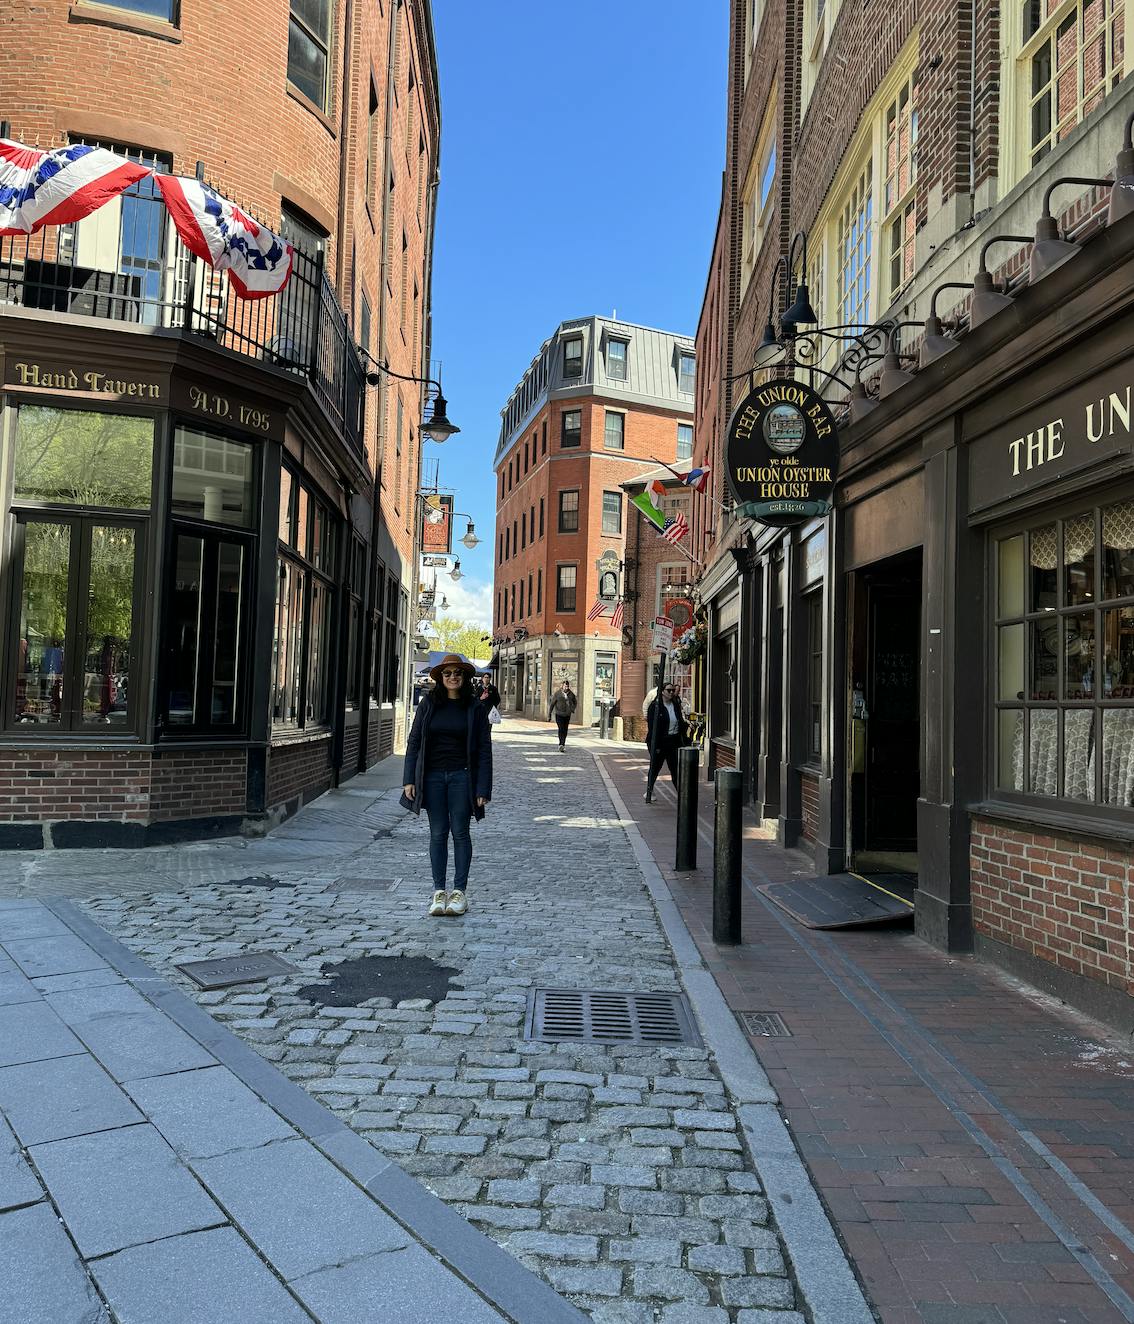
[782,454]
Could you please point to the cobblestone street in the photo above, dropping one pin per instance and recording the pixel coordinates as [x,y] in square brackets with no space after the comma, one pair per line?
[616,1172]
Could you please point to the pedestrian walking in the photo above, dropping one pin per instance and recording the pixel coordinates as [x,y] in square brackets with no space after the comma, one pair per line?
[448,770]
[666,732]
[563,704]
[489,694]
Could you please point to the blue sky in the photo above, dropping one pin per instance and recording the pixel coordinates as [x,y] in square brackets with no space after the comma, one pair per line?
[582,145]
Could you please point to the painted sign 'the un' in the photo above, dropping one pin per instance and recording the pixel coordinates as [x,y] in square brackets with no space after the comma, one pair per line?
[782,455]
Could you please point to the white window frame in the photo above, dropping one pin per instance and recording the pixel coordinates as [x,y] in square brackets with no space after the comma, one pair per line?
[756,205]
[1015,81]
[817,29]
[866,150]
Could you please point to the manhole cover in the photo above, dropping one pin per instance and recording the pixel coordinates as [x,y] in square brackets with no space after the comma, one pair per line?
[227,970]
[257,880]
[769,1024]
[346,884]
[396,977]
[613,1018]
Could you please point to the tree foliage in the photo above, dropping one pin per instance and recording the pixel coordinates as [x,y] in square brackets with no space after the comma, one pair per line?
[455,636]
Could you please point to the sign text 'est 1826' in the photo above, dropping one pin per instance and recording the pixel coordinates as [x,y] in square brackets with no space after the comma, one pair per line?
[782,454]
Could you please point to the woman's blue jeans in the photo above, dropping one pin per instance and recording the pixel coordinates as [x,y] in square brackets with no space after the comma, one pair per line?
[447,797]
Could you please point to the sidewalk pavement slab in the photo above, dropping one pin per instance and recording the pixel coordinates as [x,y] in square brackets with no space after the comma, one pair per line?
[211,1277]
[31,1032]
[62,1097]
[42,1280]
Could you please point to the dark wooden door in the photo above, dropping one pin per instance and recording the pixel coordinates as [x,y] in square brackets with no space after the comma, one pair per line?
[893,777]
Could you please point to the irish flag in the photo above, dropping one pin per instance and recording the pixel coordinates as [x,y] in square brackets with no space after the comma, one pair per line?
[649,502]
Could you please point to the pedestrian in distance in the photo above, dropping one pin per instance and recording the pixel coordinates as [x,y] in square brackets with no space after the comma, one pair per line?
[666,732]
[489,694]
[563,704]
[448,771]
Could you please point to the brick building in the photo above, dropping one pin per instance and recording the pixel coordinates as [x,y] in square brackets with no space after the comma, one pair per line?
[601,401]
[209,512]
[938,677]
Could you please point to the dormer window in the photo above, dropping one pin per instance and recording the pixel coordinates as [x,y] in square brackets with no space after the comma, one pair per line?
[616,360]
[686,373]
[573,358]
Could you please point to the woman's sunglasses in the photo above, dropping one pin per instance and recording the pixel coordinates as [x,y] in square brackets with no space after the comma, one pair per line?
[452,673]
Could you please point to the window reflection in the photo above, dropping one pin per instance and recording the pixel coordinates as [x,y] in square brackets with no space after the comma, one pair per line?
[43,622]
[110,615]
[66,456]
[212,478]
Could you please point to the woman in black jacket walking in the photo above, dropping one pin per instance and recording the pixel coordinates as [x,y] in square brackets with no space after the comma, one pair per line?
[448,769]
[665,733]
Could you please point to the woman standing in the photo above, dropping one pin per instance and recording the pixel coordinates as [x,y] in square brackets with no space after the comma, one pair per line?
[448,769]
[563,703]
[666,732]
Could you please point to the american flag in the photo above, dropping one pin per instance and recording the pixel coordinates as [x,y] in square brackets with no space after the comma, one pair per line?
[676,527]
[616,619]
[597,609]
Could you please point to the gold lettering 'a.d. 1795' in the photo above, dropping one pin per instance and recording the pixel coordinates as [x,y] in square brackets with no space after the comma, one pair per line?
[67,379]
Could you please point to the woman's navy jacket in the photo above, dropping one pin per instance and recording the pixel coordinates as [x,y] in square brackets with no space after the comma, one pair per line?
[479,753]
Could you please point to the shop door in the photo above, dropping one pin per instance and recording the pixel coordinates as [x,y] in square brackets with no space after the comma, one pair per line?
[893,777]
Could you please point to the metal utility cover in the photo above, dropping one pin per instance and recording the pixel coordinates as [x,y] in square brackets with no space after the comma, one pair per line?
[353,884]
[591,1016]
[769,1024]
[228,970]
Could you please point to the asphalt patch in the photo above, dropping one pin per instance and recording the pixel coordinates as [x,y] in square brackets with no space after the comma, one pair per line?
[395,977]
[257,880]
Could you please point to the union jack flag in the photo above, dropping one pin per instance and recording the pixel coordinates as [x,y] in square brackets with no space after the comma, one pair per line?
[60,186]
[616,619]
[676,527]
[258,262]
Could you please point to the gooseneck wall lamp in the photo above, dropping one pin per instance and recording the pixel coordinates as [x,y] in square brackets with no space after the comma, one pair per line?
[437,427]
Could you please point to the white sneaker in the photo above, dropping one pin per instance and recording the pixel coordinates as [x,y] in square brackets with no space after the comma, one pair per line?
[437,905]
[458,904]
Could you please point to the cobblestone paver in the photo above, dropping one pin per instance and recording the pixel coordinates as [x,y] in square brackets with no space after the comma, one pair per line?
[616,1172]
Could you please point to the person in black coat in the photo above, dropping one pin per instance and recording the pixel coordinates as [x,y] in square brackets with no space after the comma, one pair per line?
[448,770]
[666,732]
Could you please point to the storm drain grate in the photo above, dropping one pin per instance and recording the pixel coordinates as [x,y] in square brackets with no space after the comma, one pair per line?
[228,970]
[588,1016]
[769,1024]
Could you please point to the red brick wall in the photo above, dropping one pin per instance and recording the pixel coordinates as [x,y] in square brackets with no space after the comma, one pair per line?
[809,788]
[301,766]
[198,783]
[1057,898]
[120,786]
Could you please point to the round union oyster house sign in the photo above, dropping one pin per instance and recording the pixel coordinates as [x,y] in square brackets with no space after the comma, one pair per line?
[782,454]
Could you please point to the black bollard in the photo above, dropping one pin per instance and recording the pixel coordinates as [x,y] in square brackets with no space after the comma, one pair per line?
[727,858]
[686,809]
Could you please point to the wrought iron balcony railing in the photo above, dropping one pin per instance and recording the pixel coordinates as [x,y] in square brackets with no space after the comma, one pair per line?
[126,263]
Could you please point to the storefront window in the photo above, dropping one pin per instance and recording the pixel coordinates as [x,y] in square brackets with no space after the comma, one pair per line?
[77,586]
[67,457]
[212,478]
[304,609]
[1064,696]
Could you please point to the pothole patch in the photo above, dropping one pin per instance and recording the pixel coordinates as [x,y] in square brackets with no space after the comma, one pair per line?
[398,978]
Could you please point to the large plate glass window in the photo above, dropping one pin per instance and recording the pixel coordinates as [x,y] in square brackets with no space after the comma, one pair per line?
[77,574]
[1063,678]
[305,602]
[206,618]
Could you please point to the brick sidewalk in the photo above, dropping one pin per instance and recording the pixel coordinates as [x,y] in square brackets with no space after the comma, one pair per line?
[972,1140]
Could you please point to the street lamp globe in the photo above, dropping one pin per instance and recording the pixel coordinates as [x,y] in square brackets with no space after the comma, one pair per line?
[455,573]
[470,539]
